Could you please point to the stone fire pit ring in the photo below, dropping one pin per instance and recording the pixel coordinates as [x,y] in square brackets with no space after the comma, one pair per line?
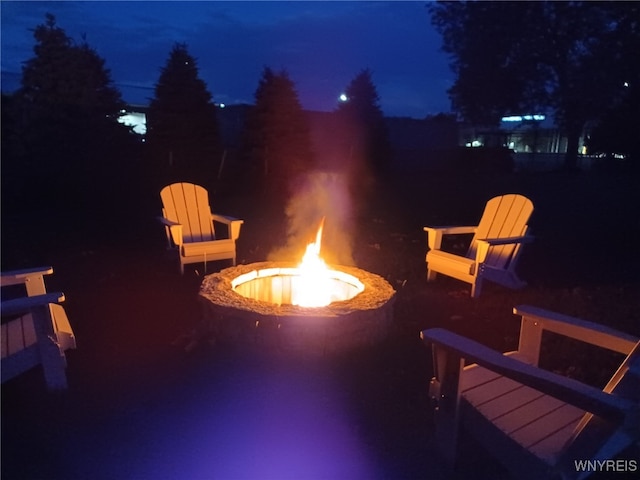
[233,318]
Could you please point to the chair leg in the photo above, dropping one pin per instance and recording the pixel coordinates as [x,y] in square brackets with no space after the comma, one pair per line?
[476,288]
[431,275]
[447,370]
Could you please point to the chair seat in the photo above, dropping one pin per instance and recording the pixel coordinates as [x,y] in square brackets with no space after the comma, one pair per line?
[440,260]
[213,247]
[18,334]
[539,423]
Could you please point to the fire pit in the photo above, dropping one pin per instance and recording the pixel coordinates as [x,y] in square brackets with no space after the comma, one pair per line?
[259,305]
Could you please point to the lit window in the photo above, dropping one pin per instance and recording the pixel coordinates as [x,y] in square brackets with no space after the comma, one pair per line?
[520,118]
[136,120]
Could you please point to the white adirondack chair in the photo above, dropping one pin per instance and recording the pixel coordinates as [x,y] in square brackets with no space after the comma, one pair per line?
[538,424]
[494,249]
[35,329]
[189,225]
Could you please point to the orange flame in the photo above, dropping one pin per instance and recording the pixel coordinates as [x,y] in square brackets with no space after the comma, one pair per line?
[313,285]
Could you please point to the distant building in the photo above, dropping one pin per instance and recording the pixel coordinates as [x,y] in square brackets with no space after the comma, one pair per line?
[535,140]
[520,133]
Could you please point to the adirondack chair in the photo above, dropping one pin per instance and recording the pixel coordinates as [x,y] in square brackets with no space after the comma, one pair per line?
[190,228]
[35,329]
[538,424]
[494,249]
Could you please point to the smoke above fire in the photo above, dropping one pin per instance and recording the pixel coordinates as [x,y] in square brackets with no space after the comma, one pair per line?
[320,195]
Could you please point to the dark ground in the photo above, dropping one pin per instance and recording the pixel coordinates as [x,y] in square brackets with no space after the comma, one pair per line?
[140,407]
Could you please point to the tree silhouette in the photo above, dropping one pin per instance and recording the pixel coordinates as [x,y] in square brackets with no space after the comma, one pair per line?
[182,129]
[362,121]
[566,58]
[67,92]
[277,136]
[72,142]
[65,75]
[617,130]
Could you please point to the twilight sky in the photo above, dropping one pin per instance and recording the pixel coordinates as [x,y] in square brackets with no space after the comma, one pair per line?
[323,45]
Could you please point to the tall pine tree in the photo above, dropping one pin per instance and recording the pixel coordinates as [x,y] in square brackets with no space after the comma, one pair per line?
[278,138]
[363,122]
[182,128]
[73,143]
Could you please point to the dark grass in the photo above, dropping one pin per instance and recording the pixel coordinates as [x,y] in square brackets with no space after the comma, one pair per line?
[139,406]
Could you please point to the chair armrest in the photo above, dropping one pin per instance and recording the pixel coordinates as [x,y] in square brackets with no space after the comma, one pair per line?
[568,390]
[508,240]
[483,244]
[535,320]
[174,229]
[233,223]
[23,304]
[32,278]
[224,218]
[453,230]
[18,276]
[434,234]
[168,223]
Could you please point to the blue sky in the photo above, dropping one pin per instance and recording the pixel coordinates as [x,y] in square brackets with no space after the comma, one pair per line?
[323,46]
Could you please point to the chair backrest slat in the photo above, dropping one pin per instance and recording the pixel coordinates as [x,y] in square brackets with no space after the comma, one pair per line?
[627,385]
[188,204]
[592,433]
[504,216]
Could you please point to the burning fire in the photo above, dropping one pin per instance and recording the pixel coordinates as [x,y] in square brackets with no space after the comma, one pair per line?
[313,287]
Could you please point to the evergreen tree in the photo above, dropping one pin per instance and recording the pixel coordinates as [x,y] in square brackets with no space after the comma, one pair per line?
[69,110]
[278,138]
[64,78]
[363,121]
[182,128]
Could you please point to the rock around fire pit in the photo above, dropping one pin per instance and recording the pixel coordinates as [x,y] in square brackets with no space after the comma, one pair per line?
[244,320]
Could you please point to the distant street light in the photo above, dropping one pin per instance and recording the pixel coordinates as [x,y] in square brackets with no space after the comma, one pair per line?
[343,97]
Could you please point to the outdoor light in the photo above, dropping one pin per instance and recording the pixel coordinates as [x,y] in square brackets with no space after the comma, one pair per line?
[136,120]
[343,97]
[520,118]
